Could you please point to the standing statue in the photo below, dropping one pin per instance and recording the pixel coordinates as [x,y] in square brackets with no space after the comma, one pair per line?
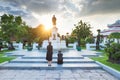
[54,20]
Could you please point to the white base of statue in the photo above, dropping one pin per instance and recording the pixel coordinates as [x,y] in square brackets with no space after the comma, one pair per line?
[56,44]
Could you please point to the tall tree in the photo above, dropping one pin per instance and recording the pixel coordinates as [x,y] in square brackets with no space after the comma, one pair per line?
[11,28]
[82,30]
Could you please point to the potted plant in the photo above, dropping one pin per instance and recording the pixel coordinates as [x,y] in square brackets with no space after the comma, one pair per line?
[78,48]
[29,47]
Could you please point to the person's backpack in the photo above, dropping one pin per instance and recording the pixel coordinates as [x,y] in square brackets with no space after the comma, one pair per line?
[60,58]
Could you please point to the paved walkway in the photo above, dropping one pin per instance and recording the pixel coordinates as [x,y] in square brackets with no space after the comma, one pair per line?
[53,73]
[77,74]
[36,59]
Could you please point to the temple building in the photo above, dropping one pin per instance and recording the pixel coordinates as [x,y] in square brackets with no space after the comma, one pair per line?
[112,28]
[115,27]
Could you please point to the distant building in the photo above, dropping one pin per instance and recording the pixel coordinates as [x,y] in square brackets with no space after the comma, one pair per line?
[115,27]
[112,28]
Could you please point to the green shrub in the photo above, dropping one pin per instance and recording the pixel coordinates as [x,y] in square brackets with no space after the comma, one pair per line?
[83,42]
[89,40]
[116,55]
[113,52]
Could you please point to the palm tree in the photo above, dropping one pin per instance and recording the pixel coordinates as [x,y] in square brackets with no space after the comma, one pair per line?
[82,30]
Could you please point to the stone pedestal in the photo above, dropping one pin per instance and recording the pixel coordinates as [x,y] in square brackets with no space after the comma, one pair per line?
[55,40]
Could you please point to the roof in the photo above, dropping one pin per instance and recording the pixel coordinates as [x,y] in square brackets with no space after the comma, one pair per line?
[115,27]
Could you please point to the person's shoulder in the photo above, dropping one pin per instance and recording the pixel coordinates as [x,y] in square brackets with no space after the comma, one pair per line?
[47,45]
[61,53]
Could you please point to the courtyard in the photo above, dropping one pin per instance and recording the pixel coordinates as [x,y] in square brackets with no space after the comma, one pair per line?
[31,65]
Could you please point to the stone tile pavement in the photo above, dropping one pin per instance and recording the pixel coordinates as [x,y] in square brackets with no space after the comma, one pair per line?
[55,74]
[63,74]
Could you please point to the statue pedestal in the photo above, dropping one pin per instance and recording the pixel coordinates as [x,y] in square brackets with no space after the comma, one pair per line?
[56,44]
[54,39]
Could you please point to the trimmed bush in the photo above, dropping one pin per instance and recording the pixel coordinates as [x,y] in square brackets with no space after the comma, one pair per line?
[89,40]
[113,52]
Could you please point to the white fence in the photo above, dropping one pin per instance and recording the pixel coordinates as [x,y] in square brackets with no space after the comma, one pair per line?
[93,46]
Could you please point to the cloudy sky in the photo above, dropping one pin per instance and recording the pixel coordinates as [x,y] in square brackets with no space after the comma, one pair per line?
[98,13]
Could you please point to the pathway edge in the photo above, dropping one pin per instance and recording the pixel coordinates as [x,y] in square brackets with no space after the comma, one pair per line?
[109,69]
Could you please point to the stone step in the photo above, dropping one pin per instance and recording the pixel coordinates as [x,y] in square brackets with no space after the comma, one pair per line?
[85,60]
[43,57]
[15,55]
[95,55]
[21,55]
[54,66]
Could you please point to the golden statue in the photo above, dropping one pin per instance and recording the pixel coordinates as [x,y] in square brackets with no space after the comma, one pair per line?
[54,20]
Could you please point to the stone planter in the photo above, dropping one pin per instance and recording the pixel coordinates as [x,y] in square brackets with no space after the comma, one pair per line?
[29,48]
[78,48]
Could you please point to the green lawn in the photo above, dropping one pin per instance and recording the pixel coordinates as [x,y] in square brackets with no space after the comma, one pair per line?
[104,61]
[2,58]
[83,47]
[70,46]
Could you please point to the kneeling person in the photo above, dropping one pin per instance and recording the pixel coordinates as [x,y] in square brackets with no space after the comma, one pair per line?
[60,58]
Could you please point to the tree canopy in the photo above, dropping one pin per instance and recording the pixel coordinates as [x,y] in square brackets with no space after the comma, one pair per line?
[81,31]
[12,27]
[115,35]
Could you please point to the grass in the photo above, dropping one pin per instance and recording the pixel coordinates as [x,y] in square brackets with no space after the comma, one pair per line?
[83,47]
[2,58]
[70,46]
[104,61]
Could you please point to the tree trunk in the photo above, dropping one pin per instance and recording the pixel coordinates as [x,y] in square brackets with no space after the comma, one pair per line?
[67,42]
[10,46]
[97,46]
[1,46]
[79,42]
[110,56]
[118,41]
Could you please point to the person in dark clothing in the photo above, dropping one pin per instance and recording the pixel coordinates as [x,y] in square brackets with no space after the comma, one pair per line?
[60,58]
[49,54]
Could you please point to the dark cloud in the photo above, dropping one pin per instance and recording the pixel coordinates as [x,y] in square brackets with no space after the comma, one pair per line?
[39,6]
[80,8]
[72,8]
[15,8]
[89,7]
[11,8]
[18,12]
[92,7]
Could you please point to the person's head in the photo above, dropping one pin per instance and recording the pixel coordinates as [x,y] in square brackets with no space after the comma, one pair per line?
[49,43]
[59,51]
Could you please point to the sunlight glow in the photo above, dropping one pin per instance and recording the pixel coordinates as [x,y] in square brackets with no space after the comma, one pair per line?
[62,23]
[44,19]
